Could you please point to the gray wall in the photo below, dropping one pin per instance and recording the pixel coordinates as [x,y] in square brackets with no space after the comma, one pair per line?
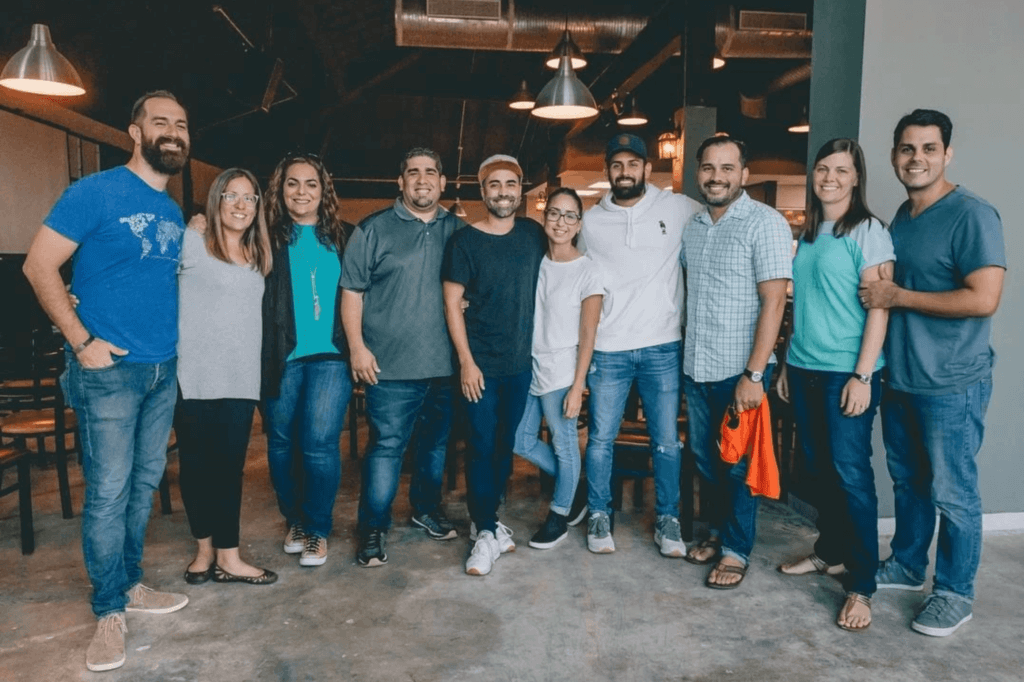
[966,59]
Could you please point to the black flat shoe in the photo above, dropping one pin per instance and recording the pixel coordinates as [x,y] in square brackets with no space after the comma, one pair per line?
[222,576]
[198,577]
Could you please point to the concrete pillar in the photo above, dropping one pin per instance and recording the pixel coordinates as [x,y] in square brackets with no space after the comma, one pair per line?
[695,125]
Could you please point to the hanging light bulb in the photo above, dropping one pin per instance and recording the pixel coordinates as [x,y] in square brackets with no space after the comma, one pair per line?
[801,126]
[40,69]
[523,99]
[631,115]
[566,47]
[717,62]
[458,209]
[565,97]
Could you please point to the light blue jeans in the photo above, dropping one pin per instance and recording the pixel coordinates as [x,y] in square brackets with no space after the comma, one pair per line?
[564,461]
[311,404]
[656,372]
[931,444]
[124,420]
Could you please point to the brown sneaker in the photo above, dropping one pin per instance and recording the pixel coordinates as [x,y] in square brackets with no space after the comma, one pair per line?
[315,551]
[106,651]
[294,540]
[148,600]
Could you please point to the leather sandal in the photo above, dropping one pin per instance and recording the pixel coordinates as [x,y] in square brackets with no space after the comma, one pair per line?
[820,567]
[741,571]
[857,598]
[222,576]
[712,543]
[198,577]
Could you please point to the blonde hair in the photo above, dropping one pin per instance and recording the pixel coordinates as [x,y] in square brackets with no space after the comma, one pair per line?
[255,241]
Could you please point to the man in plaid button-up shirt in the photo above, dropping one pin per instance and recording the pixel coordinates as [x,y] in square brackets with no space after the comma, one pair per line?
[737,254]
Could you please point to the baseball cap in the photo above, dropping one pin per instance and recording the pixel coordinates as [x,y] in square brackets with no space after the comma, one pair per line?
[499,162]
[625,142]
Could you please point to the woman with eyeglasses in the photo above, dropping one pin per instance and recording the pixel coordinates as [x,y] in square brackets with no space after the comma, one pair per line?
[570,291]
[833,369]
[220,284]
[306,383]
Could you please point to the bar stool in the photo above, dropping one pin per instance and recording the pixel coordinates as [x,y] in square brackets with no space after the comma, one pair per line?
[22,459]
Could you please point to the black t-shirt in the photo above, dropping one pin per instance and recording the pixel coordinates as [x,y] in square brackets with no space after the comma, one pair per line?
[500,276]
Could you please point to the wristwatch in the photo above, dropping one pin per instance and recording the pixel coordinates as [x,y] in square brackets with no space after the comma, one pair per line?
[756,377]
[862,378]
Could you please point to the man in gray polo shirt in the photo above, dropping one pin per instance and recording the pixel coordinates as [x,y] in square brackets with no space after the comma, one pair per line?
[393,314]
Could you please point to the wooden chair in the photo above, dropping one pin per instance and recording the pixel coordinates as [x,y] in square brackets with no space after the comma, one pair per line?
[22,459]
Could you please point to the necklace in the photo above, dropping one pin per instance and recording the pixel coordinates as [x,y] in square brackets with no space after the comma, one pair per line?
[316,297]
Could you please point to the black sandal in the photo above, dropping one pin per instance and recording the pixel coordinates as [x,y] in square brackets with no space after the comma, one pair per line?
[741,571]
[222,576]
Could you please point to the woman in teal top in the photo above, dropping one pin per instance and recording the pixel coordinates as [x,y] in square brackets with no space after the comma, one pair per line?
[305,382]
[832,372]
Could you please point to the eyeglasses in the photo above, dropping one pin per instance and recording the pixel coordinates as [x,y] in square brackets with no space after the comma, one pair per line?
[231,198]
[570,217]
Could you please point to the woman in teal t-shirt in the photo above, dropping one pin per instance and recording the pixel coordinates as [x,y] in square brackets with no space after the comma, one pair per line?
[832,372]
[305,382]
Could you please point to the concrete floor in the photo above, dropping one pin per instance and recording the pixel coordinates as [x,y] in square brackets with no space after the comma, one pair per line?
[563,614]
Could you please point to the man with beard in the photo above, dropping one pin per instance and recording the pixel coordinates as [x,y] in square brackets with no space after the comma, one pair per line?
[737,254]
[634,234]
[493,265]
[121,353]
[393,314]
[950,264]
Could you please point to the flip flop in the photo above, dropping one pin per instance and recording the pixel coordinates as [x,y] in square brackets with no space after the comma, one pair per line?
[741,571]
[854,596]
[714,543]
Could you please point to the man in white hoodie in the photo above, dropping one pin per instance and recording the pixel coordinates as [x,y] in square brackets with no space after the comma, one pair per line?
[634,234]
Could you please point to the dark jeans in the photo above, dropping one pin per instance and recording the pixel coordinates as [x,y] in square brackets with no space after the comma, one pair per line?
[312,402]
[395,409]
[837,450]
[733,510]
[492,429]
[213,436]
[931,444]
[124,419]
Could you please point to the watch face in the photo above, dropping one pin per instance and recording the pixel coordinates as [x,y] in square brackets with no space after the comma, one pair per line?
[756,376]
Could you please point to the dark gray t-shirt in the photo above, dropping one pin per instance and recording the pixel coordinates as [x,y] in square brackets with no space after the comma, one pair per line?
[500,276]
[394,259]
[935,251]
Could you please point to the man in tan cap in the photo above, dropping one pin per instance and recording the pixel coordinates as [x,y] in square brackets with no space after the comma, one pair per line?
[493,264]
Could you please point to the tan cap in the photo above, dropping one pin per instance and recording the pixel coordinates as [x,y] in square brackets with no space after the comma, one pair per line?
[499,162]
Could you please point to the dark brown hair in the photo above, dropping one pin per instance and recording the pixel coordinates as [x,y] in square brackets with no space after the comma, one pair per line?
[858,211]
[330,228]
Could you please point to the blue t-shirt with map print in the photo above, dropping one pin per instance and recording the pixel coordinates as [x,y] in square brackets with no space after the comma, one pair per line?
[125,269]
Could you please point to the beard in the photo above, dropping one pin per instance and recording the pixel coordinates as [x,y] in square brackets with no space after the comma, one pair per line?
[502,211]
[624,192]
[168,162]
[724,200]
[422,200]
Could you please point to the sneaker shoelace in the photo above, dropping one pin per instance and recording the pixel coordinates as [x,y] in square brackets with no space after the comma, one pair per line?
[297,535]
[503,530]
[670,529]
[599,525]
[312,544]
[111,624]
[373,540]
[139,592]
[935,606]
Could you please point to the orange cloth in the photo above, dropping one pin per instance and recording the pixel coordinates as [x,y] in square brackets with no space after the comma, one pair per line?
[753,438]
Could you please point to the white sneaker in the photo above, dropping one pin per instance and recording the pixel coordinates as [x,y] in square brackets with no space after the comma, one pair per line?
[504,537]
[668,536]
[485,553]
[599,534]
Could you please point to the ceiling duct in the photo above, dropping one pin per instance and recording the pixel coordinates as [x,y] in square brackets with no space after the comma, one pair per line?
[762,35]
[525,26]
[756,106]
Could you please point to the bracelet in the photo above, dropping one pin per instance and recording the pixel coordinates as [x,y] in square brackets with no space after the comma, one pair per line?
[80,347]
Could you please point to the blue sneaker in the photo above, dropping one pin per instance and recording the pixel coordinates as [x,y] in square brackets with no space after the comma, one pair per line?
[942,615]
[892,576]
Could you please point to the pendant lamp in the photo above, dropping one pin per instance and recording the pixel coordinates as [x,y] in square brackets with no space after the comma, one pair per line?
[565,97]
[40,69]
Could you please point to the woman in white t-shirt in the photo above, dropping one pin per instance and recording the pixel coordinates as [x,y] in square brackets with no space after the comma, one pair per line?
[570,292]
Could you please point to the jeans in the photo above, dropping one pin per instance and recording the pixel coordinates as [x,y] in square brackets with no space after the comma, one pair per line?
[492,426]
[564,461]
[931,444]
[656,371]
[733,513]
[124,420]
[213,437]
[311,405]
[837,450]
[395,409]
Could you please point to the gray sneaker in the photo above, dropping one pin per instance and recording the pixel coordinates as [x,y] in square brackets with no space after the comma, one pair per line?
[668,536]
[148,600]
[106,651]
[892,576]
[942,615]
[436,524]
[599,534]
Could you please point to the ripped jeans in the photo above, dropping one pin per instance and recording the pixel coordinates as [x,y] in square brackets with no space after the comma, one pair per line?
[656,371]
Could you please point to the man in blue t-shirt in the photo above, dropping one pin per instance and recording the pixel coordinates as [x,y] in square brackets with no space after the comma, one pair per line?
[950,262]
[494,265]
[125,234]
